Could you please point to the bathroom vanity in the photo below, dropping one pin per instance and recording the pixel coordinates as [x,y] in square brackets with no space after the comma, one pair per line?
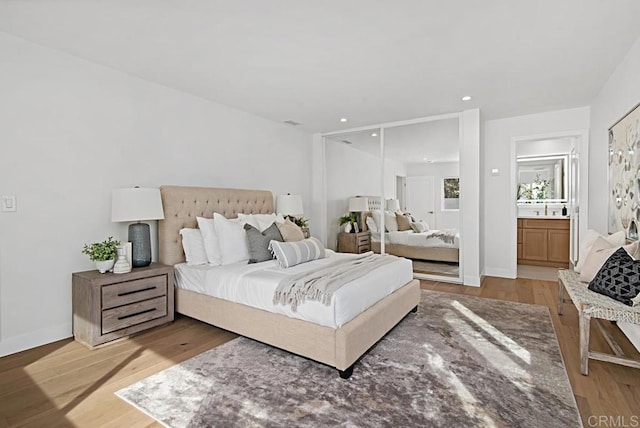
[543,241]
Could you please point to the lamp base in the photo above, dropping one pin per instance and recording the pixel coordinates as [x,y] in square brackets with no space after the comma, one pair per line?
[140,238]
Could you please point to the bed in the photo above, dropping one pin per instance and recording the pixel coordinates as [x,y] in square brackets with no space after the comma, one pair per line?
[338,347]
[431,245]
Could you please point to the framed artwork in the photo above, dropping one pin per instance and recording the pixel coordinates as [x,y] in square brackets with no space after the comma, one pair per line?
[624,174]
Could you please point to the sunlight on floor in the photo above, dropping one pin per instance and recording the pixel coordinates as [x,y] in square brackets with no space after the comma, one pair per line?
[469,403]
[505,341]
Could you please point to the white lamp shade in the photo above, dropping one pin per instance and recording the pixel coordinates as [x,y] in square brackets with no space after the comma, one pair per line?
[136,204]
[289,205]
[358,204]
[393,205]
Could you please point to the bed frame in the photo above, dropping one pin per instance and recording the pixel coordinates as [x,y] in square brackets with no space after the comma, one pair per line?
[336,347]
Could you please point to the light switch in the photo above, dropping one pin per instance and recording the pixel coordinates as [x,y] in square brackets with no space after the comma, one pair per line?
[9,203]
[495,171]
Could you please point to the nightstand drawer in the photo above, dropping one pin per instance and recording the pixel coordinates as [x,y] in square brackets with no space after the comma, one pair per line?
[363,239]
[364,249]
[135,313]
[128,292]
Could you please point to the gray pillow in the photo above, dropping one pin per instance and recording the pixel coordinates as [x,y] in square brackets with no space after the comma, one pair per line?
[293,253]
[258,242]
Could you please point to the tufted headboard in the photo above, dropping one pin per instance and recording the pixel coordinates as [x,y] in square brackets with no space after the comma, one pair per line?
[183,204]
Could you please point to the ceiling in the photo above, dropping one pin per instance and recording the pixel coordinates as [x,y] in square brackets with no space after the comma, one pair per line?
[435,141]
[314,62]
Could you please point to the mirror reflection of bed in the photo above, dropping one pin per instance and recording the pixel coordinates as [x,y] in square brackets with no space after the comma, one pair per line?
[432,251]
[419,172]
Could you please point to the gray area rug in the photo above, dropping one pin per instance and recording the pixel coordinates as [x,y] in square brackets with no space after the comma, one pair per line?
[460,361]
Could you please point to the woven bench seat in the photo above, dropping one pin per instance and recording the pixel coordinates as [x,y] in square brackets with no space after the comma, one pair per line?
[595,305]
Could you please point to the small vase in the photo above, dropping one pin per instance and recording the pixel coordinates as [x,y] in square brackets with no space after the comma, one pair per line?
[347,227]
[104,265]
[122,265]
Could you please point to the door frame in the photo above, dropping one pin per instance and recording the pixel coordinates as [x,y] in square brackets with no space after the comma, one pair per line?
[582,144]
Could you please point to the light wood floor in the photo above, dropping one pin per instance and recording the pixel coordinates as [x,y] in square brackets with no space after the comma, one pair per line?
[65,384]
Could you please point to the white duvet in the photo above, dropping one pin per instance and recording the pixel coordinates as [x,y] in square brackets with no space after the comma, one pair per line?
[424,239]
[254,285]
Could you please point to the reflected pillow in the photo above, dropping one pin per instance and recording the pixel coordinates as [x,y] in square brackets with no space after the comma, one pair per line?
[390,222]
[371,224]
[404,223]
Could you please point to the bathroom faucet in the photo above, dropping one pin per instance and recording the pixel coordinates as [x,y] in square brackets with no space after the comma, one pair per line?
[537,212]
[545,209]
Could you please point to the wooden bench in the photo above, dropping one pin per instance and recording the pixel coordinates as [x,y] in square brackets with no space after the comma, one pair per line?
[594,305]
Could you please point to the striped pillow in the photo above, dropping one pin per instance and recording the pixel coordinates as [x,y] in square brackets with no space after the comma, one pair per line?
[293,253]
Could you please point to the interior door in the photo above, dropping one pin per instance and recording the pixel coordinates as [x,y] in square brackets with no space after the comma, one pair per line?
[420,199]
[574,204]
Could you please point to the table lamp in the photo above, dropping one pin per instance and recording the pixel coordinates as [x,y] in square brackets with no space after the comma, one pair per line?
[359,205]
[393,205]
[289,205]
[137,204]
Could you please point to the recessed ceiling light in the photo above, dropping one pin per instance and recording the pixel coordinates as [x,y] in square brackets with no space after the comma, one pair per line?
[425,159]
[374,135]
[344,119]
[466,98]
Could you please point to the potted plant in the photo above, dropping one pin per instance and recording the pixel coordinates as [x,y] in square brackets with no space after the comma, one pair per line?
[102,253]
[348,222]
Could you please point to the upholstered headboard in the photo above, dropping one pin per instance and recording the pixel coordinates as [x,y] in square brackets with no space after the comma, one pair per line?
[374,202]
[183,204]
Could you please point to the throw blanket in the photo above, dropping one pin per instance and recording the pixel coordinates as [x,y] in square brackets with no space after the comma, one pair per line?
[446,236]
[320,284]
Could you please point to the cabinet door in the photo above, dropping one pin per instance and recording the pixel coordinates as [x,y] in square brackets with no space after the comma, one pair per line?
[558,246]
[534,244]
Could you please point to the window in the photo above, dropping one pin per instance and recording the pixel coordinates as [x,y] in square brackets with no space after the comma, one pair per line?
[451,194]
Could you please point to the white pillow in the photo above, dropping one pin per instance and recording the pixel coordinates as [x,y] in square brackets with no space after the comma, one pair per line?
[600,252]
[390,222]
[261,221]
[616,239]
[371,224]
[193,246]
[210,240]
[232,238]
[376,218]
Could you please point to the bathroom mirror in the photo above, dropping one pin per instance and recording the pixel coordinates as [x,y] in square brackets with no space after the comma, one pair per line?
[542,179]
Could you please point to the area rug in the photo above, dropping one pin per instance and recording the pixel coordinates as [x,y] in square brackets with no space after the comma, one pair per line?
[460,361]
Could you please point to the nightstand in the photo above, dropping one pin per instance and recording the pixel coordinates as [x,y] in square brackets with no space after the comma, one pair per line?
[110,306]
[354,242]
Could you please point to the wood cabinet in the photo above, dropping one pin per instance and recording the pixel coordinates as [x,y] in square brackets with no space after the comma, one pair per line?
[543,242]
[110,306]
[354,242]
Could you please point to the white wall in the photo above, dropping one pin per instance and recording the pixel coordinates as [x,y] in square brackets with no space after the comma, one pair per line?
[440,170]
[499,226]
[71,132]
[352,172]
[617,97]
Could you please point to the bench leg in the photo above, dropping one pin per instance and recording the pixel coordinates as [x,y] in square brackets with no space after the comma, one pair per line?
[560,297]
[585,322]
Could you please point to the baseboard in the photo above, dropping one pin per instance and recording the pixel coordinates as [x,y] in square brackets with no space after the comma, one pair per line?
[472,281]
[500,273]
[11,345]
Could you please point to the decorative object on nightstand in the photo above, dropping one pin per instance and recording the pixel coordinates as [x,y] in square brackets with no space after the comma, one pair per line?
[137,204]
[102,253]
[122,264]
[358,205]
[291,206]
[358,243]
[108,307]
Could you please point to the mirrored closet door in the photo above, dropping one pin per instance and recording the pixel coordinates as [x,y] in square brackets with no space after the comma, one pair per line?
[409,175]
